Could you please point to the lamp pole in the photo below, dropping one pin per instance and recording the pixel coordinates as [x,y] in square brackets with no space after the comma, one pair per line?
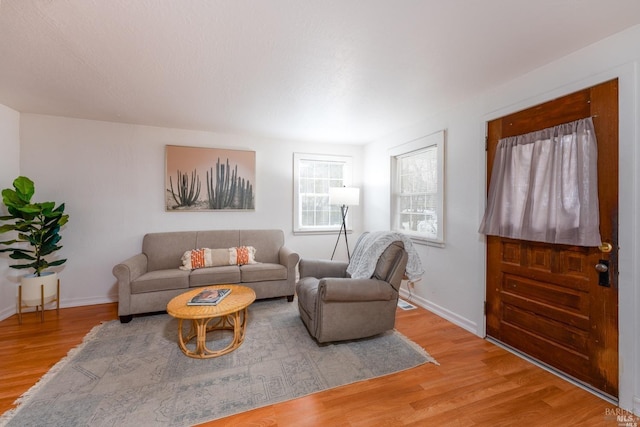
[343,197]
[344,209]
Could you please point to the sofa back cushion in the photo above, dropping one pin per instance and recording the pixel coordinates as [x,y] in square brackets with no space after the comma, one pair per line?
[218,239]
[164,250]
[266,242]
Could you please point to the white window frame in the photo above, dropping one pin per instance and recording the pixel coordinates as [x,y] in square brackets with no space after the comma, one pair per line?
[436,140]
[347,163]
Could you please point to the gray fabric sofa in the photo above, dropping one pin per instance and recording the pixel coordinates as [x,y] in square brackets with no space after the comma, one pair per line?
[149,280]
[335,307]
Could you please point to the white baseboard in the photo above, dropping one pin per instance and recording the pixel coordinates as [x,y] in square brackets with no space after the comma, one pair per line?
[452,317]
[65,303]
[7,312]
[78,302]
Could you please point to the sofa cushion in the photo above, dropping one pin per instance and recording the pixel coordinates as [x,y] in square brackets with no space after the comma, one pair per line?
[160,280]
[218,239]
[214,276]
[266,242]
[262,272]
[164,250]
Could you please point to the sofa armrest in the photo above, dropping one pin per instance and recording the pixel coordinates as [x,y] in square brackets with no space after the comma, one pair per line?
[126,272]
[130,269]
[320,268]
[288,258]
[350,290]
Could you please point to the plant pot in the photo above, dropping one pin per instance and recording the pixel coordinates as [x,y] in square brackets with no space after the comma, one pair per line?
[31,288]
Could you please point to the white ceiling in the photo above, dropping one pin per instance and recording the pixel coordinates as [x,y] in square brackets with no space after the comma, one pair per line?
[309,70]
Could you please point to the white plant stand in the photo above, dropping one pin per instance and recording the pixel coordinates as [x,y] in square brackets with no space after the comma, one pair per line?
[38,296]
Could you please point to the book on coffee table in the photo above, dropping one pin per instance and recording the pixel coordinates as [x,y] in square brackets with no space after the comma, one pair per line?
[209,297]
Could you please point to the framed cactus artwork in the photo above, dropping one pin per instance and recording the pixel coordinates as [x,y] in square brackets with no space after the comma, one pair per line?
[209,179]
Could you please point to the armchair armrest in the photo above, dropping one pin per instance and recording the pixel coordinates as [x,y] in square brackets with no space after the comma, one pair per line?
[350,290]
[320,268]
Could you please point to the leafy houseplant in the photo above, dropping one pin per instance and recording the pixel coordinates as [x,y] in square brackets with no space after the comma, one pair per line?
[37,224]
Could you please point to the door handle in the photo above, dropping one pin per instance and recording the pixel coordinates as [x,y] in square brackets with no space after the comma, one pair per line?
[602,268]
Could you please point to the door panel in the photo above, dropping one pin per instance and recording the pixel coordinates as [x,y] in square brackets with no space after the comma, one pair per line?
[543,299]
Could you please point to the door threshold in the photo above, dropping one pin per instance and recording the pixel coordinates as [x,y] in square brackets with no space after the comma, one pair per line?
[598,393]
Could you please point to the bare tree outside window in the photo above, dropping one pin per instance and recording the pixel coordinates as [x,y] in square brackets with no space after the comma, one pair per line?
[417,188]
[314,175]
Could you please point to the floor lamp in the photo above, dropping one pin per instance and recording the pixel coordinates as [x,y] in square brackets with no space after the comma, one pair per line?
[344,197]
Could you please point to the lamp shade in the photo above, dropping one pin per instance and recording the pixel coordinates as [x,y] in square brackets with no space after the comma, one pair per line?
[348,196]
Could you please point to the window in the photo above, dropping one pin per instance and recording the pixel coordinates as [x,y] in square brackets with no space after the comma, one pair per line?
[314,174]
[417,184]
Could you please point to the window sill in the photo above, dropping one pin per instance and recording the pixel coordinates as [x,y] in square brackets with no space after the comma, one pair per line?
[424,241]
[319,232]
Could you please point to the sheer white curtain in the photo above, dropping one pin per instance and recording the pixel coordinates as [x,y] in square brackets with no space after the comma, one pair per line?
[544,187]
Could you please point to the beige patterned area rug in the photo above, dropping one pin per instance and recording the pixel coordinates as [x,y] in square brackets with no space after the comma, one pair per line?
[135,375]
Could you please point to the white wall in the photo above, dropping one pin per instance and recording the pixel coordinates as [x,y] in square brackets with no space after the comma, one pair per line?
[454,285]
[111,177]
[9,170]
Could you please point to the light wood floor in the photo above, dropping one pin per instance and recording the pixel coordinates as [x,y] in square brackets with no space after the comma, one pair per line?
[476,384]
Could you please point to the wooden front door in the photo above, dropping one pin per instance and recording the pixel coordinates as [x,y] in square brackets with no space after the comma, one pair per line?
[550,301]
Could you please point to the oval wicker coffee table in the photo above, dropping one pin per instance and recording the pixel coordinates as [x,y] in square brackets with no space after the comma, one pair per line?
[229,315]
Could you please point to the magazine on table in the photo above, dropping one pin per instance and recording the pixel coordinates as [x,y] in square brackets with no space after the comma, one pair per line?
[209,297]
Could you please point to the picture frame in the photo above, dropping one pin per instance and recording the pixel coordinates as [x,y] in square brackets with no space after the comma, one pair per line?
[209,179]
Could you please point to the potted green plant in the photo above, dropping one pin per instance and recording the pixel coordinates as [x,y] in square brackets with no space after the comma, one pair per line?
[37,229]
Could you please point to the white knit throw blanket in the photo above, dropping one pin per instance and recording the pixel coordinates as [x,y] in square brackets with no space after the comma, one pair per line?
[369,248]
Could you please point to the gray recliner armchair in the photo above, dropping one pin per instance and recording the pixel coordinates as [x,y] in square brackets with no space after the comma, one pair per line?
[335,307]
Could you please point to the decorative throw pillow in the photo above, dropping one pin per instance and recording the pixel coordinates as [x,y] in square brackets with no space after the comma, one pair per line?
[197,258]
[206,257]
[242,255]
[194,259]
[219,257]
